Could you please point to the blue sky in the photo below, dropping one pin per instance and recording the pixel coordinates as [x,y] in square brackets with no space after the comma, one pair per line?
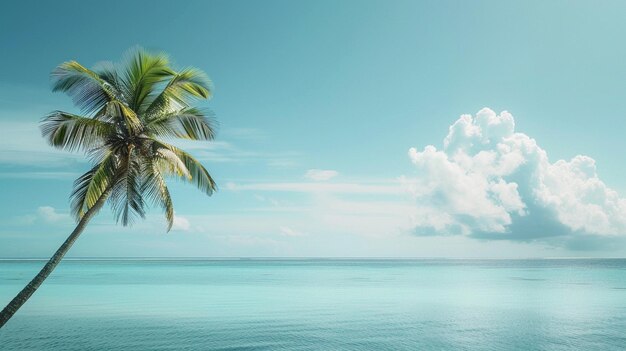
[327,110]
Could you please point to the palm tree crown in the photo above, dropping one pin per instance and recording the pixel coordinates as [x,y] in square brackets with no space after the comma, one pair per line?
[126,110]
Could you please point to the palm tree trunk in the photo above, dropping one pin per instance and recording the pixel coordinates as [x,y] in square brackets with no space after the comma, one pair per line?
[34,284]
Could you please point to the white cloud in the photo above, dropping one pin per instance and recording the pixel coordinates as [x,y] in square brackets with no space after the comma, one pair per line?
[43,215]
[489,179]
[180,224]
[50,215]
[320,175]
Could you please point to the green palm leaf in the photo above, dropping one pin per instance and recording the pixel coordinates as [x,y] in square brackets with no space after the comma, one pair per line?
[180,91]
[197,174]
[125,118]
[89,187]
[72,132]
[187,123]
[89,91]
[126,198]
[142,75]
[155,189]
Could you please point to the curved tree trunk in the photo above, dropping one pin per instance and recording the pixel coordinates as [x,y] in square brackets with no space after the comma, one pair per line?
[26,293]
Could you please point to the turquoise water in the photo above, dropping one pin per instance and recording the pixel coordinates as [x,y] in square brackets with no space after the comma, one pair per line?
[319,305]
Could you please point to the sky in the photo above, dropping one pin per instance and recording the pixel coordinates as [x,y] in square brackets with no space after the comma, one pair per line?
[346,128]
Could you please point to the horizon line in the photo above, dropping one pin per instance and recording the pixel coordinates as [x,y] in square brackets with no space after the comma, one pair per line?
[291,258]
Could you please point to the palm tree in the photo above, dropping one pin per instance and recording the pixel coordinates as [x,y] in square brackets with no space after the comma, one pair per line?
[126,110]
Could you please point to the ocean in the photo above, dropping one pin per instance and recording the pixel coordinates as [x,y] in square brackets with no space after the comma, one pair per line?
[319,304]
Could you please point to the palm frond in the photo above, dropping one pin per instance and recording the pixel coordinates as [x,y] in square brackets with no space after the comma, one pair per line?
[187,123]
[89,187]
[143,72]
[198,175]
[88,90]
[170,164]
[126,199]
[72,132]
[186,85]
[107,71]
[155,189]
[124,117]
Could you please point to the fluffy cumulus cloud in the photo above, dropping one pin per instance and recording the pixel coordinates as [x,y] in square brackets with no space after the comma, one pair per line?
[490,181]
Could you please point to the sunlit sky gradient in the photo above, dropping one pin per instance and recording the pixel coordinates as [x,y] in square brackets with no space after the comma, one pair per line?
[319,103]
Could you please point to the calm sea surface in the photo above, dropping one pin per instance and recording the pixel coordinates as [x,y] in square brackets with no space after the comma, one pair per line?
[319,305]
